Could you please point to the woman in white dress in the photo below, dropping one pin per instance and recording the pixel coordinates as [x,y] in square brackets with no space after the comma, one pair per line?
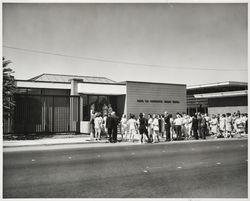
[229,126]
[98,126]
[214,125]
[132,127]
[155,125]
[222,125]
[150,127]
[239,124]
[124,127]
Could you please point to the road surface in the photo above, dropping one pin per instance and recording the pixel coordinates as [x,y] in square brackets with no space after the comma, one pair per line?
[201,169]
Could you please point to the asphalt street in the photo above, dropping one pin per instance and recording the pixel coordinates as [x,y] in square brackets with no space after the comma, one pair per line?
[201,169]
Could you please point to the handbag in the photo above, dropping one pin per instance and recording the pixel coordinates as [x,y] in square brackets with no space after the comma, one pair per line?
[156,128]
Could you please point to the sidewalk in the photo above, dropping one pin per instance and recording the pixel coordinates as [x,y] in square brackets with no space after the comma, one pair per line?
[85,140]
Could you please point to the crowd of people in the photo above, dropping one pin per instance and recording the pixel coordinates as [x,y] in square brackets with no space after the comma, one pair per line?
[155,128]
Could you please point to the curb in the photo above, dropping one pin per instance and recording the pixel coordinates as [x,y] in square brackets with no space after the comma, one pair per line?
[118,143]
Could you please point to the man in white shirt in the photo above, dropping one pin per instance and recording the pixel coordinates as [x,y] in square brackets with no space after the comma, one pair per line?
[178,123]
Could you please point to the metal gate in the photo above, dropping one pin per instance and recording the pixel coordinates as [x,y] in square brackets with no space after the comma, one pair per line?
[46,114]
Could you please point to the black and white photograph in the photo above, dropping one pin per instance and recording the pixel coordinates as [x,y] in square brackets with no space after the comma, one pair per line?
[125,100]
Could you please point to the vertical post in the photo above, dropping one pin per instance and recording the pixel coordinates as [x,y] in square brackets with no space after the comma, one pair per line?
[53,115]
[79,120]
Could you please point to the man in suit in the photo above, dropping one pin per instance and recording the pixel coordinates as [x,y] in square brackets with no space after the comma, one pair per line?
[195,127]
[109,126]
[114,126]
[203,127]
[167,125]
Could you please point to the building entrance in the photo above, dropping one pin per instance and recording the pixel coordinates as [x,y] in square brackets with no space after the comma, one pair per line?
[97,103]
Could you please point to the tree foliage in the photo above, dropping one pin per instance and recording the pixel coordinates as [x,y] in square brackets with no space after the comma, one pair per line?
[9,88]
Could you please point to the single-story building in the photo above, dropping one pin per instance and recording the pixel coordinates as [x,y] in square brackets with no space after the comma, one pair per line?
[62,103]
[217,98]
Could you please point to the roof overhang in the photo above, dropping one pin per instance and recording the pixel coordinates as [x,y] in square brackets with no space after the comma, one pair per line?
[218,84]
[42,85]
[101,89]
[222,94]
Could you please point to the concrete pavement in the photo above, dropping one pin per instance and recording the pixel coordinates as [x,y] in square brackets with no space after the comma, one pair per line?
[78,140]
[200,169]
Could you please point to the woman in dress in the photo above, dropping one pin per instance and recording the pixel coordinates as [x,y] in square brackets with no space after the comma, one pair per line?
[98,125]
[132,127]
[155,125]
[229,126]
[162,126]
[150,127]
[124,127]
[214,125]
[186,127]
[222,125]
[104,129]
[92,125]
[142,129]
[239,124]
[171,126]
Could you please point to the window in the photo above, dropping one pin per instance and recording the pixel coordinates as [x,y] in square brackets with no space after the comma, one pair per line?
[96,102]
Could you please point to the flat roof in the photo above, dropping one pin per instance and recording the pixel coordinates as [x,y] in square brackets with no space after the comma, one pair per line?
[218,84]
[153,83]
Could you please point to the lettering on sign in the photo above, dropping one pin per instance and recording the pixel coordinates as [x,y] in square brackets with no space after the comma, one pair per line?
[157,101]
[140,101]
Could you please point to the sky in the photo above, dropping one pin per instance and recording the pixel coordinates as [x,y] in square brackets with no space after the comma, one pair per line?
[158,42]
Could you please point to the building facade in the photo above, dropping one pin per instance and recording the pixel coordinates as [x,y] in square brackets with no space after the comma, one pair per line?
[53,103]
[217,98]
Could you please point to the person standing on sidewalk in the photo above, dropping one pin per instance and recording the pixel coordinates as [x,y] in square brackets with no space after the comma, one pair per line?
[98,125]
[124,127]
[199,124]
[132,127]
[155,125]
[214,125]
[114,126]
[178,124]
[142,129]
[104,128]
[195,127]
[203,127]
[146,124]
[222,128]
[150,127]
[167,125]
[109,126]
[229,126]
[92,125]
